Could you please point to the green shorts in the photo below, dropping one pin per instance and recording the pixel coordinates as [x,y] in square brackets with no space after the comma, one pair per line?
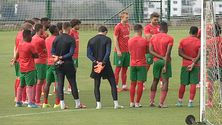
[138,73]
[17,66]
[75,61]
[41,70]
[189,77]
[28,78]
[149,59]
[158,69]
[51,75]
[124,61]
[212,74]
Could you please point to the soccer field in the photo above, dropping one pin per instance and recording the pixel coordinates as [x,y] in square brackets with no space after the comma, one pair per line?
[11,115]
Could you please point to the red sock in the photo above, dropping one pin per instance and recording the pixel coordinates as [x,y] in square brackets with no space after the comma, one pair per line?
[124,75]
[70,86]
[43,86]
[161,78]
[24,94]
[163,97]
[29,93]
[181,91]
[33,93]
[117,70]
[147,68]
[132,91]
[46,100]
[210,90]
[19,94]
[54,84]
[152,96]
[192,91]
[57,101]
[38,92]
[139,91]
[17,82]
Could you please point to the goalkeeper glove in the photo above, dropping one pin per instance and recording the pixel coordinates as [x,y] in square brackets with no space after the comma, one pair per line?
[99,67]
[54,58]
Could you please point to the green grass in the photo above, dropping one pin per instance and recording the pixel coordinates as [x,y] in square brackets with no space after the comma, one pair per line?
[9,115]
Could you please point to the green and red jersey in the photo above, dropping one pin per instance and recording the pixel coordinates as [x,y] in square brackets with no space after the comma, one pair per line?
[48,44]
[39,44]
[149,29]
[18,39]
[191,47]
[160,42]
[137,47]
[75,34]
[123,36]
[26,61]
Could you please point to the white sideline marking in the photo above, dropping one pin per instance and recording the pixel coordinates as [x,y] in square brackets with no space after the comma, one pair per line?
[62,110]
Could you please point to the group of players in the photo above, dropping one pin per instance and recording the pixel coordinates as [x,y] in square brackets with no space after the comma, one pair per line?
[38,56]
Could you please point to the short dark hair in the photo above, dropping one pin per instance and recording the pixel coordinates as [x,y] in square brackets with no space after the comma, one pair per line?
[102,29]
[44,19]
[29,21]
[217,28]
[193,30]
[59,25]
[26,33]
[35,19]
[138,27]
[163,26]
[75,22]
[52,28]
[38,27]
[66,25]
[154,15]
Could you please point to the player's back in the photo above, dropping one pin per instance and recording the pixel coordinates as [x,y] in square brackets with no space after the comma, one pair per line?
[191,46]
[160,43]
[48,44]
[137,48]
[39,44]
[98,45]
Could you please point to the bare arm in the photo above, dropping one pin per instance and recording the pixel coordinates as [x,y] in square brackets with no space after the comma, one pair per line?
[148,36]
[167,57]
[117,46]
[190,67]
[154,53]
[16,56]
[36,55]
[181,53]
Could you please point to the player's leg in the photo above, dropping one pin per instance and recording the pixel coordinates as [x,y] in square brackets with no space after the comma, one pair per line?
[126,63]
[24,96]
[133,78]
[118,64]
[97,82]
[210,78]
[57,100]
[20,90]
[30,79]
[184,80]
[149,62]
[194,80]
[49,80]
[164,90]
[71,76]
[17,81]
[41,75]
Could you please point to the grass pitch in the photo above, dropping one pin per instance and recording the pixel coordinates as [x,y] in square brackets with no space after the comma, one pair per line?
[10,115]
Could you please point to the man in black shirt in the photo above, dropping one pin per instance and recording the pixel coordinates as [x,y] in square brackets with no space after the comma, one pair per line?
[62,50]
[98,51]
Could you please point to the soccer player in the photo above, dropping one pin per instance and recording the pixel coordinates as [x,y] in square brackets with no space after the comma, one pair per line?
[51,73]
[189,50]
[75,23]
[46,24]
[98,51]
[40,63]
[160,47]
[18,39]
[211,75]
[37,21]
[149,31]
[121,54]
[138,46]
[62,50]
[26,53]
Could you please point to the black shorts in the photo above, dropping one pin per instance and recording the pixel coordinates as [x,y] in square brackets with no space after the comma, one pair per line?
[106,73]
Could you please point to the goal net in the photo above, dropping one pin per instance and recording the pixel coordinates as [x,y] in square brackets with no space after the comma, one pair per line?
[211,65]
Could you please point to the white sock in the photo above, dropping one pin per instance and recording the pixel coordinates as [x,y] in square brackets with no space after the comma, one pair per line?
[62,103]
[144,83]
[116,102]
[124,86]
[116,86]
[190,101]
[64,89]
[180,100]
[161,82]
[54,89]
[77,102]
[98,104]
